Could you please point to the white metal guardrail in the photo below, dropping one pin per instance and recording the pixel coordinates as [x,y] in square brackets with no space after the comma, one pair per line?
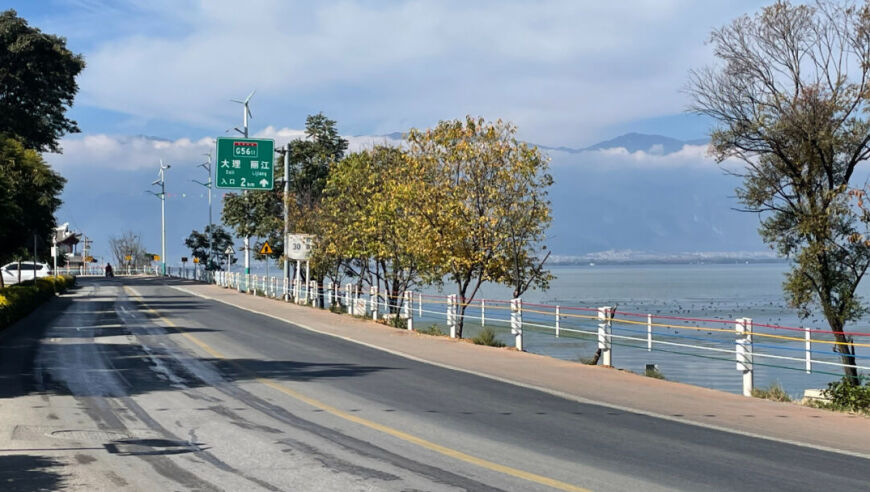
[741,341]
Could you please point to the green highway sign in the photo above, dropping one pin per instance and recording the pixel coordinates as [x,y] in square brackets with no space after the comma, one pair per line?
[245,163]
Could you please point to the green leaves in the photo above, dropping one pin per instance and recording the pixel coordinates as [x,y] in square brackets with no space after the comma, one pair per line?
[198,243]
[29,196]
[798,123]
[37,84]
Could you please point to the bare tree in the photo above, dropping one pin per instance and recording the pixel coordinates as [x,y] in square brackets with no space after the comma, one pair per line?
[128,244]
[790,96]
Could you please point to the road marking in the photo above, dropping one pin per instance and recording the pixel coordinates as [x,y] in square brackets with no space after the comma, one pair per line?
[560,394]
[404,436]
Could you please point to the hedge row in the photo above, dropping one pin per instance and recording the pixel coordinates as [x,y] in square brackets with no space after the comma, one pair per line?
[18,300]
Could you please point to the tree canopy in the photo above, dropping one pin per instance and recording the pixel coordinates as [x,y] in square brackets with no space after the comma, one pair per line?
[29,197]
[198,243]
[790,96]
[37,84]
[480,203]
[129,244]
[365,222]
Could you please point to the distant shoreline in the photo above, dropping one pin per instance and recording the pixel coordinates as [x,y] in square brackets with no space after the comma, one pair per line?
[723,261]
[629,257]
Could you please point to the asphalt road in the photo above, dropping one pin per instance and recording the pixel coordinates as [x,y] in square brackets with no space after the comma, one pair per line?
[134,385]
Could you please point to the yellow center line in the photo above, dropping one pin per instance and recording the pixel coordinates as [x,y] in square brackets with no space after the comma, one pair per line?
[404,436]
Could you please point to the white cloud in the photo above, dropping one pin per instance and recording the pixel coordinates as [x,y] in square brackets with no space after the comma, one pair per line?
[126,152]
[141,152]
[689,156]
[560,69]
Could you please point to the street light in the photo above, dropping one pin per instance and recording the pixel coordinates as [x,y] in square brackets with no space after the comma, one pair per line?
[207,166]
[162,196]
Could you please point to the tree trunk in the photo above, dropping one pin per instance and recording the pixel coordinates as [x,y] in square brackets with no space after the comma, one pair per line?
[847,356]
[460,315]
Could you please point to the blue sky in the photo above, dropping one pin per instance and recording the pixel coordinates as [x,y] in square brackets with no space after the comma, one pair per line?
[568,73]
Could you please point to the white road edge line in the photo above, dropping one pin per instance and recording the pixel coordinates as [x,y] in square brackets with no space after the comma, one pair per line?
[560,394]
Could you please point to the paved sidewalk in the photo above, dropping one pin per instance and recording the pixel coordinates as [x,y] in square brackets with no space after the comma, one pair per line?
[589,384]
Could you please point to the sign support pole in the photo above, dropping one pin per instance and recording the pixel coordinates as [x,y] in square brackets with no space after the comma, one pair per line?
[286,209]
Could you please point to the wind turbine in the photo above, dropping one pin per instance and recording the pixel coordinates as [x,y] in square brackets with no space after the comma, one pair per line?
[247,112]
[245,115]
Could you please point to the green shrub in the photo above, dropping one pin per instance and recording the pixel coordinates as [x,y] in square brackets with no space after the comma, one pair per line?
[846,396]
[396,321]
[487,337]
[652,371]
[434,330]
[773,392]
[18,300]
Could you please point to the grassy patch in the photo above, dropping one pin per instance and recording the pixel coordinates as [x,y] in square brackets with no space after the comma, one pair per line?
[773,392]
[433,330]
[487,337]
[337,308]
[652,371]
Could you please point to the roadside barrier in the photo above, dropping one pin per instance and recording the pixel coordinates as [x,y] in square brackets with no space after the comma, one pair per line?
[742,341]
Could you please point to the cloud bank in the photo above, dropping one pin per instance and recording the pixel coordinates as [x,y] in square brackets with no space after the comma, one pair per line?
[561,69]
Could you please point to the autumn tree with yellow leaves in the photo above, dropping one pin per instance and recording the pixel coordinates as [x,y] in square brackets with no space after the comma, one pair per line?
[366,226]
[464,202]
[479,206]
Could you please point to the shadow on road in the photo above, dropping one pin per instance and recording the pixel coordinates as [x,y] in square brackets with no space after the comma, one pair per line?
[30,472]
[71,343]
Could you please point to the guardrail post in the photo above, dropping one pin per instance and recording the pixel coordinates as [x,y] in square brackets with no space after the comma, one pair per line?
[451,314]
[347,304]
[359,307]
[808,345]
[314,292]
[482,313]
[517,322]
[558,321]
[406,309]
[743,328]
[649,333]
[604,331]
[373,302]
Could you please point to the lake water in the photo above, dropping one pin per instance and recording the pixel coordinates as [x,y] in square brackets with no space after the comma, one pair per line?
[718,291]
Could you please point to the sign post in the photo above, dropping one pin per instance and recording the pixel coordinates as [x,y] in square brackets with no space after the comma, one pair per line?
[245,164]
[298,247]
[266,250]
[229,252]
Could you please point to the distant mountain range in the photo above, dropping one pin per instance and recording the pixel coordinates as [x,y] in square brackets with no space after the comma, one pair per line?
[627,257]
[632,142]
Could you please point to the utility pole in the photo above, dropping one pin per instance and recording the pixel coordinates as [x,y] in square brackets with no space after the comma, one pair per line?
[162,196]
[207,166]
[86,246]
[246,112]
[286,153]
